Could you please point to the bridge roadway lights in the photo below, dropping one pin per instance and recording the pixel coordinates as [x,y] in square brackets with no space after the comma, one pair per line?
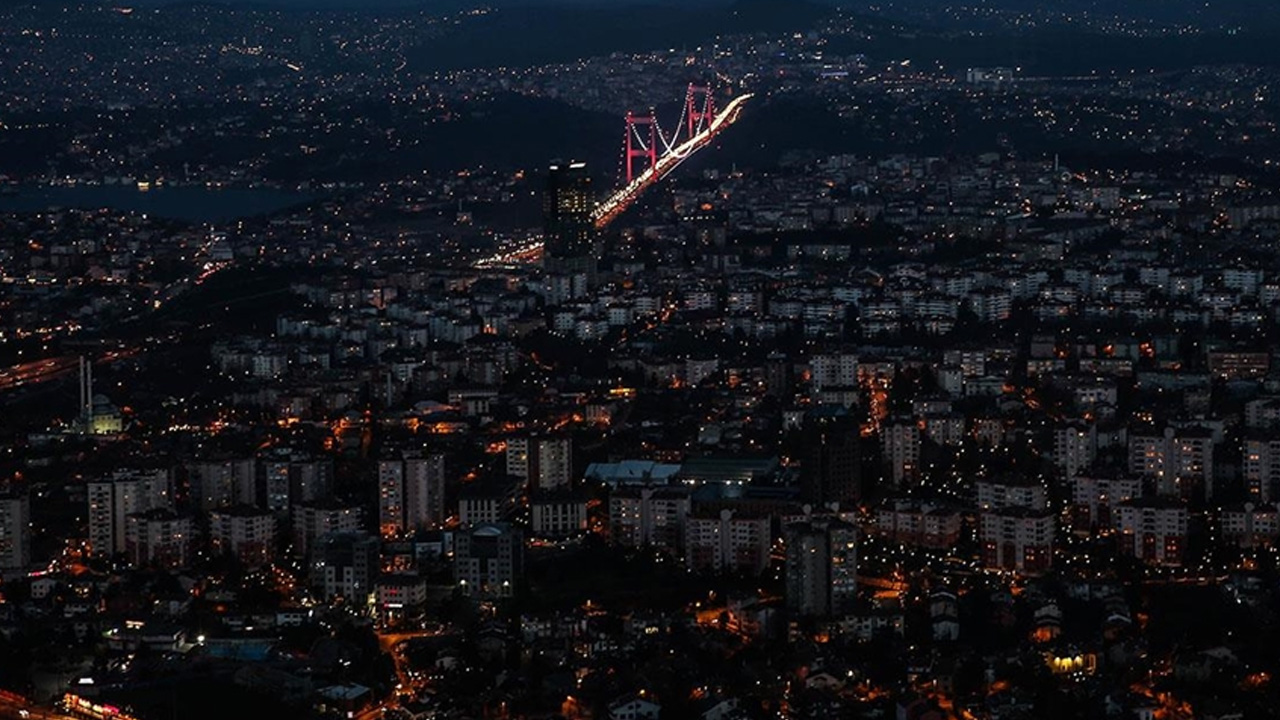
[660,167]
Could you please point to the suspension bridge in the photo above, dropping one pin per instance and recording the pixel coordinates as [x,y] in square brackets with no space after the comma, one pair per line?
[649,154]
[658,153]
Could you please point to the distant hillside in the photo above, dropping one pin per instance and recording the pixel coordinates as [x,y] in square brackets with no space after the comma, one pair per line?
[1190,12]
[530,35]
[442,6]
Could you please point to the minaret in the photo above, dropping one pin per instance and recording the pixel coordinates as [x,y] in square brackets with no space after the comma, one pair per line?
[83,399]
[86,394]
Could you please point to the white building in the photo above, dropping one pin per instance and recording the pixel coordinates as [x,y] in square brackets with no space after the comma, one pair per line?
[698,369]
[1011,493]
[249,534]
[1250,525]
[291,478]
[1075,447]
[972,363]
[1017,539]
[391,492]
[647,516]
[113,499]
[912,522]
[901,450]
[1262,468]
[1153,530]
[159,537]
[410,494]
[311,522]
[833,370]
[1094,498]
[486,502]
[634,707]
[944,428]
[726,542]
[1263,412]
[398,596]
[1180,460]
[222,483]
[15,532]
[543,462]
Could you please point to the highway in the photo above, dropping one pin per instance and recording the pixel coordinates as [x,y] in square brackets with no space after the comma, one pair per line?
[55,368]
[523,254]
[39,371]
[16,707]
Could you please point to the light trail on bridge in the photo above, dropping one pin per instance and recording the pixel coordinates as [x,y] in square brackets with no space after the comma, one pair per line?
[614,205]
[516,255]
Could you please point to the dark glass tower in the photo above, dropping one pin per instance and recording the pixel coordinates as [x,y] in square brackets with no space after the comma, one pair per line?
[831,469]
[566,211]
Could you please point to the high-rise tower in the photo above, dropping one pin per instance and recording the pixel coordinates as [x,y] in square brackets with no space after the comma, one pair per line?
[831,471]
[822,566]
[15,531]
[566,210]
[568,230]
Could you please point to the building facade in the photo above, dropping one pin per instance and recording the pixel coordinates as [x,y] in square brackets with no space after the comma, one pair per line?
[159,537]
[248,534]
[1179,459]
[649,516]
[346,566]
[1095,496]
[920,524]
[410,494]
[542,462]
[1018,540]
[489,560]
[313,521]
[1250,525]
[1261,466]
[727,542]
[821,567]
[15,532]
[1153,530]
[113,499]
[558,514]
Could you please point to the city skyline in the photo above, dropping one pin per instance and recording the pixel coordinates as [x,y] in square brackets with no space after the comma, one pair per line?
[764,360]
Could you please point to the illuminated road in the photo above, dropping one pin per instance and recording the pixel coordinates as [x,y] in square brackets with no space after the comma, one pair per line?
[41,371]
[615,204]
[37,372]
[16,707]
[390,643]
[530,252]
